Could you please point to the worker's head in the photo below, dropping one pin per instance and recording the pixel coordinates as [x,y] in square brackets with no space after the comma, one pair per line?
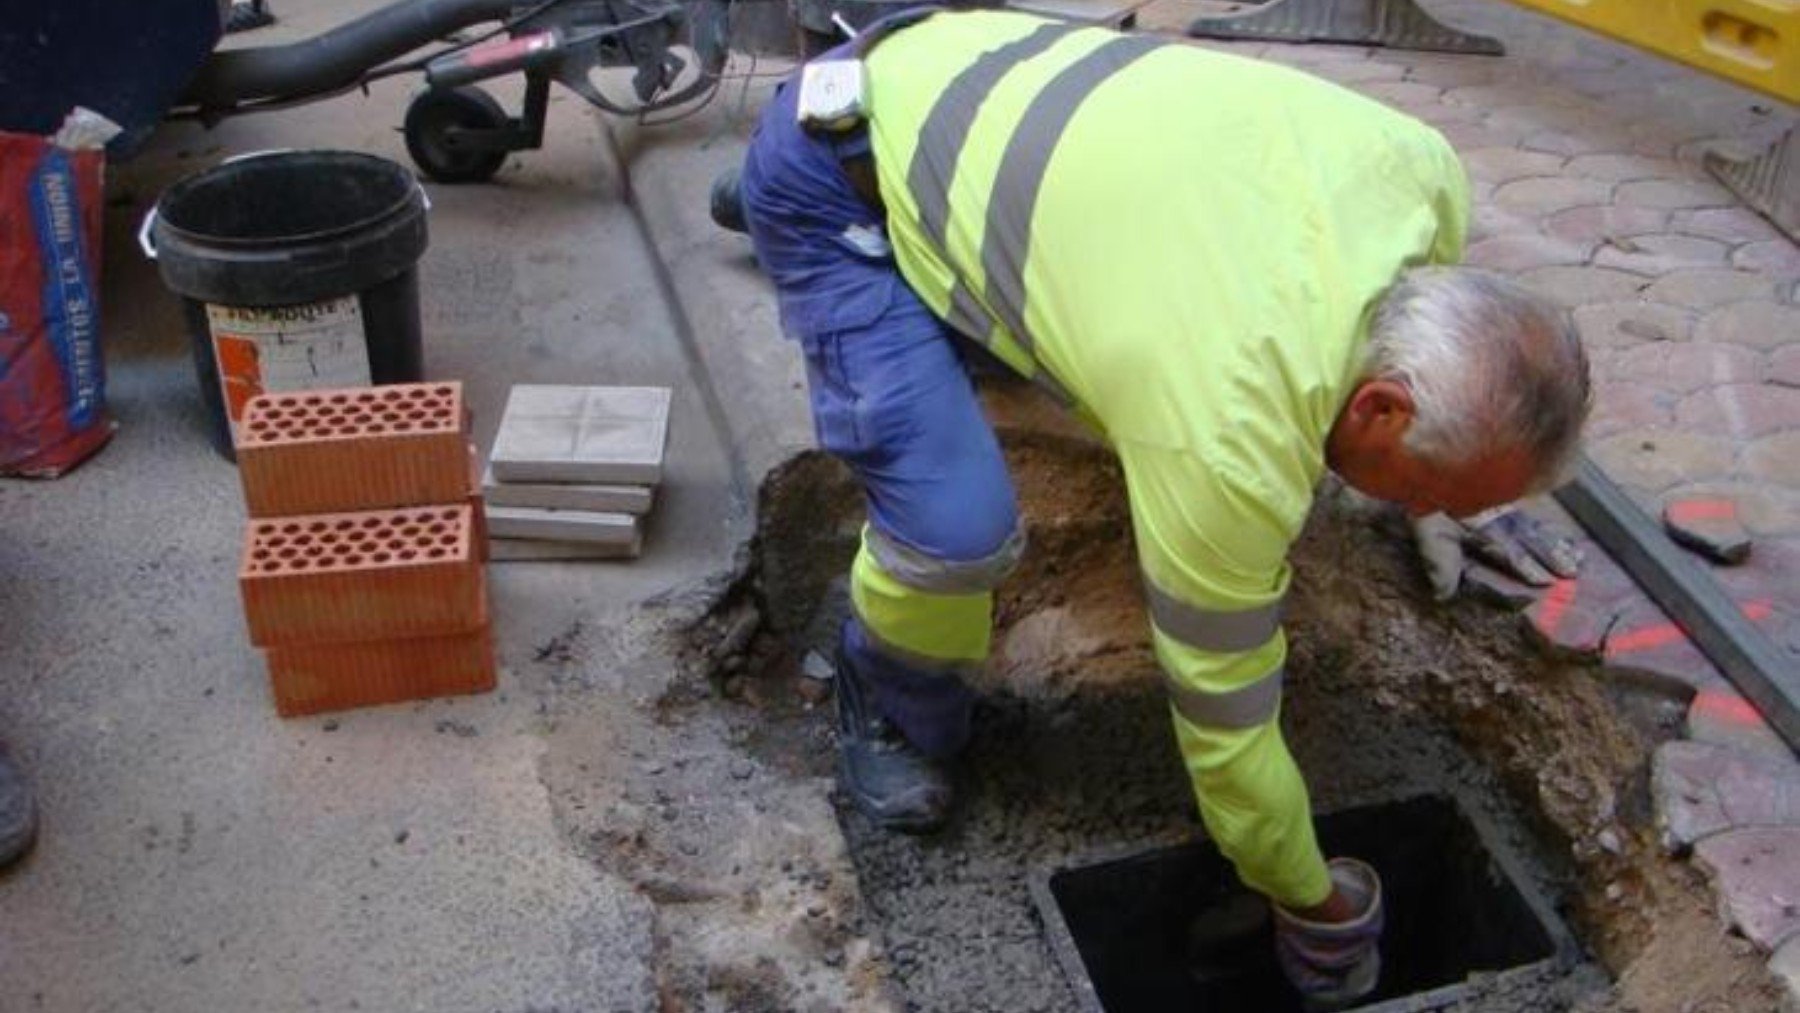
[1472,394]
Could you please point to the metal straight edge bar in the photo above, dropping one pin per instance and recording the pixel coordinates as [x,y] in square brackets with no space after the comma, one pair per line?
[1396,24]
[1769,182]
[1689,595]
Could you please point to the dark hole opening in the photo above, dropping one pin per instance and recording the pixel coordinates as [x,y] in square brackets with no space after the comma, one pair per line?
[1451,910]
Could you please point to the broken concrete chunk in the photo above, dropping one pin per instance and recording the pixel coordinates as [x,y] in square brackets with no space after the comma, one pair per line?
[1702,789]
[510,550]
[1757,873]
[1785,967]
[1484,583]
[624,499]
[562,525]
[815,666]
[1709,527]
[1564,621]
[597,435]
[1723,717]
[1660,652]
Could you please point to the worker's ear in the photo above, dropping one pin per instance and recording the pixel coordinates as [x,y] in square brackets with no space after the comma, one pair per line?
[1379,413]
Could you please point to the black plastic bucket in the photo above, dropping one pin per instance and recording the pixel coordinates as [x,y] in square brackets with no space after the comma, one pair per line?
[297,270]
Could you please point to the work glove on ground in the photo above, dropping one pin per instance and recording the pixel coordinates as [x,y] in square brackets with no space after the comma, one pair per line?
[1335,964]
[1506,537]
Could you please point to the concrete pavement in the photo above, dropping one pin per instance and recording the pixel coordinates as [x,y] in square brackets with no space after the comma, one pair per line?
[199,853]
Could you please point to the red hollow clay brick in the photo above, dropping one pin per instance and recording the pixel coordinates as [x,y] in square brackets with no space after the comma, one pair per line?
[312,678]
[373,575]
[362,448]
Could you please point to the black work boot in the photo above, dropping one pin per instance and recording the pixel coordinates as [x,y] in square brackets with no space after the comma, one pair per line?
[18,813]
[248,14]
[887,777]
[728,201]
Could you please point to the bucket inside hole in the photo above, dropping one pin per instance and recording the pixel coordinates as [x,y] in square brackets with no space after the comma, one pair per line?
[1124,927]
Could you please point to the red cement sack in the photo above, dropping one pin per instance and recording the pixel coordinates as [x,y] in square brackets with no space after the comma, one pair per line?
[52,381]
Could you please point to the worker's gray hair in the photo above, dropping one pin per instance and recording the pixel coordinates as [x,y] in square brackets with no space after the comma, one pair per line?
[1492,368]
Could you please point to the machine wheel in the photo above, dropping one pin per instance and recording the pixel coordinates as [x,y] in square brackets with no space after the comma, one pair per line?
[428,122]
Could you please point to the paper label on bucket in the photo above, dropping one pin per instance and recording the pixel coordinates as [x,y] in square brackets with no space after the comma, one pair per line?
[280,348]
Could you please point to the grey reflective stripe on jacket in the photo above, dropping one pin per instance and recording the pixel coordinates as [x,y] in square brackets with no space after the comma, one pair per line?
[920,572]
[1219,633]
[1013,200]
[1244,707]
[1206,630]
[1006,241]
[946,126]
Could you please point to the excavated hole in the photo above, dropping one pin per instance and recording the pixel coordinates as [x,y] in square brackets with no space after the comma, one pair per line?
[1128,926]
[1390,695]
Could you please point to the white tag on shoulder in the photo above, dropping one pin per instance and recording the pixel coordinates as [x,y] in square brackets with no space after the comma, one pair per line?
[831,95]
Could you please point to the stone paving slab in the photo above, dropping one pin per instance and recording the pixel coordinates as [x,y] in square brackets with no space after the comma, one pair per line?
[564,525]
[1702,789]
[1497,588]
[626,499]
[1708,526]
[1644,637]
[1565,620]
[552,433]
[1757,872]
[1785,965]
[1721,715]
[527,550]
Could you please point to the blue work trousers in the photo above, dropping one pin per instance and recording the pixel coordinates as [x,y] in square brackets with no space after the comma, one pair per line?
[890,398]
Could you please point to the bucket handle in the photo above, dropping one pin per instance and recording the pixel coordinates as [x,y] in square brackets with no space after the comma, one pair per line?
[148,245]
[145,243]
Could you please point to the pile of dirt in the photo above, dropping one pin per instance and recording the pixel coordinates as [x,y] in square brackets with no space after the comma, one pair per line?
[1389,693]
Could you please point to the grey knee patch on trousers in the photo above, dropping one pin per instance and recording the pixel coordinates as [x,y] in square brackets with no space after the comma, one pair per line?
[925,573]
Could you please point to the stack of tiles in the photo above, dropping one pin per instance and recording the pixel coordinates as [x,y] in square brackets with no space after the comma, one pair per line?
[574,471]
[362,573]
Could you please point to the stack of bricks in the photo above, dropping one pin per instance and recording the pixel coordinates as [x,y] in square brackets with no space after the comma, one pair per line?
[574,471]
[363,576]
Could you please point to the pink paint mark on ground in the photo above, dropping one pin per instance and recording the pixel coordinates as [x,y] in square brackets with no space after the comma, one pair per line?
[1684,511]
[1726,706]
[1646,638]
[1555,604]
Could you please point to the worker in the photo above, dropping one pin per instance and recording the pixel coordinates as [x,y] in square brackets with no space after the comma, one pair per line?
[1237,274]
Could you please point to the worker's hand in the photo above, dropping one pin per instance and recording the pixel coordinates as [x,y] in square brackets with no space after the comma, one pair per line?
[1505,537]
[1333,958]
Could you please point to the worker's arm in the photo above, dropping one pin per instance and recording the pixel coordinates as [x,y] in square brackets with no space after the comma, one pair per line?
[1213,553]
[1213,546]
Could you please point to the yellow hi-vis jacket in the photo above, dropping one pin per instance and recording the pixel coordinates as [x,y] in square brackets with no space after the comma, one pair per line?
[1184,246]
